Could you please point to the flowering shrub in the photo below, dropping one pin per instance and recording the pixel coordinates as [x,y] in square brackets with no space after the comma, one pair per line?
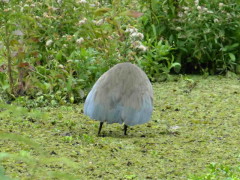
[57,50]
[204,34]
[158,60]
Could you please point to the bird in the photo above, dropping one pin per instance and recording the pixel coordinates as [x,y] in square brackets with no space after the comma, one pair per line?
[123,95]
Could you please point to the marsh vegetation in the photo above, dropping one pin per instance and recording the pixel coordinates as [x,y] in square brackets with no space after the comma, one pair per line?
[52,52]
[194,133]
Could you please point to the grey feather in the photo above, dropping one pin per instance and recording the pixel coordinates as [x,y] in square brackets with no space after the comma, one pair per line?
[123,94]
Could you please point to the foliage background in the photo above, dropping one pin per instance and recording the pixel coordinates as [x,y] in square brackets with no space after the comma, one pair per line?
[53,51]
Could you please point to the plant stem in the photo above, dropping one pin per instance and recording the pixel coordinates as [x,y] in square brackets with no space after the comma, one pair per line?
[9,58]
[151,10]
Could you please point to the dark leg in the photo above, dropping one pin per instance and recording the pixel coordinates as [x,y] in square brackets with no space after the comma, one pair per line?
[125,129]
[100,128]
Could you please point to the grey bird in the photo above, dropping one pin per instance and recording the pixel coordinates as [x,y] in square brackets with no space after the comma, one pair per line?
[121,95]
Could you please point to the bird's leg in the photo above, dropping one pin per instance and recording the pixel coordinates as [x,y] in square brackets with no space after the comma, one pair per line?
[100,128]
[125,129]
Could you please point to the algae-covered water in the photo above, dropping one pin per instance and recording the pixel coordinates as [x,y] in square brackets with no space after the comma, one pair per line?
[196,122]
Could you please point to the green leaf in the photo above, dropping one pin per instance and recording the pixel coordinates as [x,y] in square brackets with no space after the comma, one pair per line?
[232,56]
[176,66]
[59,55]
[102,11]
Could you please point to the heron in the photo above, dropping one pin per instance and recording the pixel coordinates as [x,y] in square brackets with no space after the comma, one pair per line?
[121,95]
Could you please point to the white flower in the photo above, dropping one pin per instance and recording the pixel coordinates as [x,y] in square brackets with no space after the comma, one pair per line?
[83,21]
[99,22]
[139,45]
[82,2]
[59,1]
[140,35]
[207,31]
[142,48]
[220,5]
[199,7]
[45,15]
[180,14]
[178,28]
[135,44]
[137,35]
[210,12]
[196,2]
[131,30]
[80,41]
[49,42]
[205,9]
[185,8]
[97,3]
[216,20]
[61,66]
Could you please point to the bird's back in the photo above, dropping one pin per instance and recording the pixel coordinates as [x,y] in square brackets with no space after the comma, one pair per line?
[121,95]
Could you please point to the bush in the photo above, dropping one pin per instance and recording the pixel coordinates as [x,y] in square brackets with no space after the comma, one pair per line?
[158,61]
[205,35]
[54,51]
